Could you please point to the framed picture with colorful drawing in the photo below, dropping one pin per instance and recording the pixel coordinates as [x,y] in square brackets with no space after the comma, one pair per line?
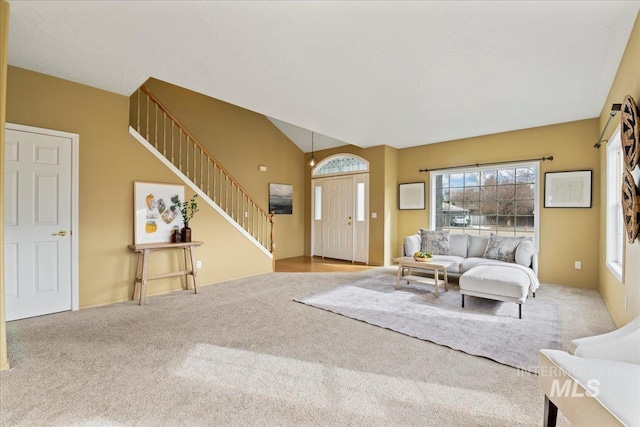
[156,215]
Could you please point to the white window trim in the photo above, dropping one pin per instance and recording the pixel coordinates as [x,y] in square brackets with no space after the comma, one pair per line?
[536,210]
[613,182]
[328,159]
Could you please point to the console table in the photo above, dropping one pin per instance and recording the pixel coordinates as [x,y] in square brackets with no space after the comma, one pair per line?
[142,272]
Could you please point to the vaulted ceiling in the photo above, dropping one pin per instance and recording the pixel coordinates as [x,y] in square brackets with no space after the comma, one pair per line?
[366,73]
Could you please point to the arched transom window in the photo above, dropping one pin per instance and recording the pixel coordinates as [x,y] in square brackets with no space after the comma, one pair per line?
[341,163]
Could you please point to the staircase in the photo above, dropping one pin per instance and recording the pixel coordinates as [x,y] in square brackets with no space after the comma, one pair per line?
[163,134]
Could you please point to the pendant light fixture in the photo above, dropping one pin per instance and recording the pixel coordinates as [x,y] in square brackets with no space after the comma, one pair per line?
[312,160]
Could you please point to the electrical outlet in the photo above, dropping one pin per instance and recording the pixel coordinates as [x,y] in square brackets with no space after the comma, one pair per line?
[374,215]
[626,303]
[246,214]
[578,265]
[198,264]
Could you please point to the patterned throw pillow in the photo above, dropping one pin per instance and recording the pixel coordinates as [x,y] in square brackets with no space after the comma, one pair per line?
[435,242]
[502,248]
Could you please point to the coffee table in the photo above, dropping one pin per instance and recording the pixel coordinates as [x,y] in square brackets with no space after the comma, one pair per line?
[433,266]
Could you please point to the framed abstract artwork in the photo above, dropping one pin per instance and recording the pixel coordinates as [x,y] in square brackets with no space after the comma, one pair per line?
[411,196]
[155,212]
[281,199]
[567,189]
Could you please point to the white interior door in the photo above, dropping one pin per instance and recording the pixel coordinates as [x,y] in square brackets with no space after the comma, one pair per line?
[338,218]
[37,239]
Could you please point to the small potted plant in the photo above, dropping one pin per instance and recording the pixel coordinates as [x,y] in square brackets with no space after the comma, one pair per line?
[187,210]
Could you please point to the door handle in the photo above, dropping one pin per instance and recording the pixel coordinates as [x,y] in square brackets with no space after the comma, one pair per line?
[60,233]
[349,223]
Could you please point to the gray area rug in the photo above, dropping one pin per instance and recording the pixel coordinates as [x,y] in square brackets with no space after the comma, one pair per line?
[483,328]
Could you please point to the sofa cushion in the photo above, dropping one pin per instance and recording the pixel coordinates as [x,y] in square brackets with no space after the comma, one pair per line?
[477,246]
[454,268]
[502,248]
[412,244]
[496,280]
[458,244]
[524,253]
[435,242]
[468,263]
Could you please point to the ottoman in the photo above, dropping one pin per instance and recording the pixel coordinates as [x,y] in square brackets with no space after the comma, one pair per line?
[502,283]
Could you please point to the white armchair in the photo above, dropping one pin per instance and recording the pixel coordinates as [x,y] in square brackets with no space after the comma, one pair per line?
[597,385]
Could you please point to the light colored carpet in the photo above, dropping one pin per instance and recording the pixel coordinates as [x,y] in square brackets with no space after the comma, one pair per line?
[484,327]
[242,353]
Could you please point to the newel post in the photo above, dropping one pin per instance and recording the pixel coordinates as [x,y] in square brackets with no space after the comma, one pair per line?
[273,244]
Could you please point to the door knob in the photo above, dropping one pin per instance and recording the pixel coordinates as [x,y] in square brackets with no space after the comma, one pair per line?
[349,223]
[60,233]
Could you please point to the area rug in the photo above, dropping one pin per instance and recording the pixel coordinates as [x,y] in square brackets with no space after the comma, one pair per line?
[485,328]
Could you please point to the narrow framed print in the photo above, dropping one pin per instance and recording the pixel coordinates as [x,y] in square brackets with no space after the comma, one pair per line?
[411,196]
[281,199]
[567,189]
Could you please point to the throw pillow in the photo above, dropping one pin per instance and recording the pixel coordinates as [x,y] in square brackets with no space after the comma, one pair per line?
[412,244]
[524,253]
[502,248]
[477,246]
[435,242]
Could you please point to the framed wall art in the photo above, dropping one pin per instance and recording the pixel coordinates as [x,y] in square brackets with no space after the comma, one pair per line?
[570,189]
[155,212]
[411,196]
[281,199]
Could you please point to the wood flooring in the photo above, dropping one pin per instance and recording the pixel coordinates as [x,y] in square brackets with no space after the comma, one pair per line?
[306,264]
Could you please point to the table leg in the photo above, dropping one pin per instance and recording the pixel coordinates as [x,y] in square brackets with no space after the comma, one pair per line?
[187,266]
[138,282]
[145,276]
[446,281]
[435,274]
[194,270]
[399,275]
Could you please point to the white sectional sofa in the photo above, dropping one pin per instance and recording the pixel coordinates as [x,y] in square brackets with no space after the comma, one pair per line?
[465,252]
[492,267]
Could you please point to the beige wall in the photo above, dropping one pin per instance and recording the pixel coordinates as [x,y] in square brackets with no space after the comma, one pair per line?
[110,161]
[4,35]
[242,141]
[567,235]
[626,82]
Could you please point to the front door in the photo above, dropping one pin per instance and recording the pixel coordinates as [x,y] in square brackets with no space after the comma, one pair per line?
[37,221]
[338,218]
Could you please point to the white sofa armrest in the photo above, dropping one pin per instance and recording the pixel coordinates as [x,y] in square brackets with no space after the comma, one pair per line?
[412,244]
[625,348]
[610,337]
[534,263]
